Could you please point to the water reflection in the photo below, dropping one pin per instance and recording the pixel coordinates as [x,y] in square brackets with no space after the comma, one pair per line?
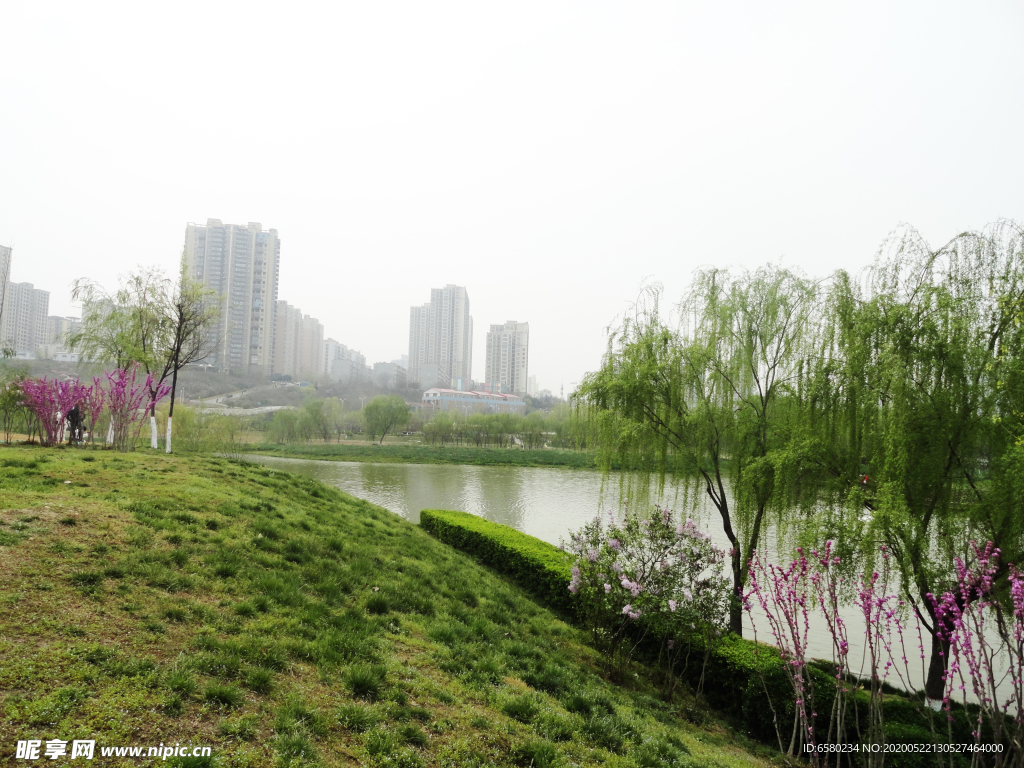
[546,503]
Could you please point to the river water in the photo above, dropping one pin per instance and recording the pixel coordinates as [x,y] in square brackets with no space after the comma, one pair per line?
[543,502]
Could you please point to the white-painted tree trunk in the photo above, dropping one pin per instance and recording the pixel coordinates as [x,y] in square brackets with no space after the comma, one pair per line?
[110,433]
[152,433]
[167,438]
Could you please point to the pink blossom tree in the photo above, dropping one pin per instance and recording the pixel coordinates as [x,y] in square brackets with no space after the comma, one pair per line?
[128,400]
[50,401]
[92,407]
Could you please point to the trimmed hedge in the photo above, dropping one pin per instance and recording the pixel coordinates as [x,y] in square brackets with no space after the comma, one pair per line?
[540,568]
[743,679]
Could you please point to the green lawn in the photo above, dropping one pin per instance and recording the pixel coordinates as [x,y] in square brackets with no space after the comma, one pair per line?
[148,599]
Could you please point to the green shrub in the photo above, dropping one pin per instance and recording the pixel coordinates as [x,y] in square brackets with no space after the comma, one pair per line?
[535,565]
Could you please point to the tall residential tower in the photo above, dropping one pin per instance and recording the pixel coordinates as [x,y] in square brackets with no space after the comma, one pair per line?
[441,338]
[242,265]
[508,357]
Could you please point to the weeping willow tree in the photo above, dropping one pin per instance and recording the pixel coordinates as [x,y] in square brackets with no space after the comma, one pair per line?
[712,400]
[915,408]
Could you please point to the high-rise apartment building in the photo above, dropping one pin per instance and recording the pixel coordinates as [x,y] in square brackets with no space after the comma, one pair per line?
[508,357]
[242,265]
[23,324]
[343,364]
[441,338]
[5,276]
[58,329]
[298,343]
[310,361]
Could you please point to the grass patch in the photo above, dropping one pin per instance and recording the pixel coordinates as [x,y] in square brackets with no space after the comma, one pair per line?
[365,681]
[224,695]
[265,631]
[357,718]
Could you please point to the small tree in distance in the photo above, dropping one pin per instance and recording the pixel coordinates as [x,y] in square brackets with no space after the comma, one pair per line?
[385,414]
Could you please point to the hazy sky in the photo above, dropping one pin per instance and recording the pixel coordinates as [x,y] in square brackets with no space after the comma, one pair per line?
[551,157]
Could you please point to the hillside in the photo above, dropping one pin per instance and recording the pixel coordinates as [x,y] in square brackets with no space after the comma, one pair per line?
[147,600]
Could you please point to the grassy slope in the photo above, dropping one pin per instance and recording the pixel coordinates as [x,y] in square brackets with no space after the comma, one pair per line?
[430,454]
[163,599]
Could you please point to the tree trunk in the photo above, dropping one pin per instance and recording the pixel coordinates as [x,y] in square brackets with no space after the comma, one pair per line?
[736,599]
[170,412]
[736,616]
[152,429]
[935,686]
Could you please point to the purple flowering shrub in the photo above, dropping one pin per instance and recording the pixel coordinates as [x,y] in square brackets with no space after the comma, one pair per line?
[985,638]
[128,402]
[50,401]
[125,399]
[648,569]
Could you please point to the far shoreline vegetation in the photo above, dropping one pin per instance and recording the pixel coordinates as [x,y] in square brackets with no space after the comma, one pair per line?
[410,453]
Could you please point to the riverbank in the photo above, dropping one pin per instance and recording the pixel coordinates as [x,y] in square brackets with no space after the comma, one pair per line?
[430,454]
[277,620]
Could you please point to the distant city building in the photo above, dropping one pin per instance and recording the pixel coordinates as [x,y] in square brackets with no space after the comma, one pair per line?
[472,402]
[298,343]
[531,386]
[311,343]
[23,324]
[57,331]
[5,277]
[441,338]
[343,364]
[390,376]
[288,322]
[242,266]
[508,356]
[332,352]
